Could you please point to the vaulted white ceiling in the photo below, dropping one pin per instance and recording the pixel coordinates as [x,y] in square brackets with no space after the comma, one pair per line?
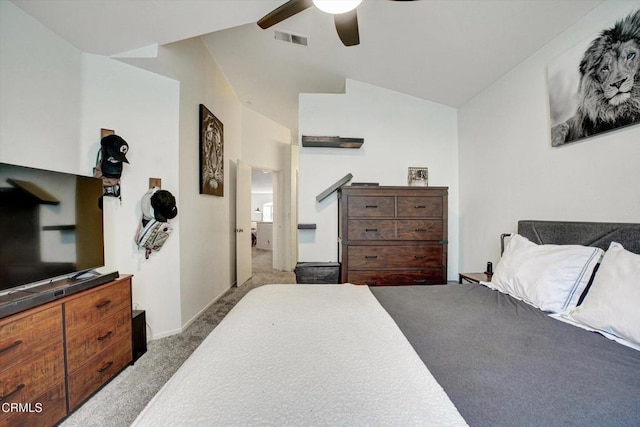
[445,51]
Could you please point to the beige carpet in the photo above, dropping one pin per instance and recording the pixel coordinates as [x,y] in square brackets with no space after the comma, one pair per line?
[120,401]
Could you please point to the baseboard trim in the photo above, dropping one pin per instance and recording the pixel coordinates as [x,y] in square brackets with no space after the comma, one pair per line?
[154,337]
[193,319]
[190,321]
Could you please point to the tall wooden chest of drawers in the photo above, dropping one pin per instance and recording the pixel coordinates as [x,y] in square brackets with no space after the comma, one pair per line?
[393,235]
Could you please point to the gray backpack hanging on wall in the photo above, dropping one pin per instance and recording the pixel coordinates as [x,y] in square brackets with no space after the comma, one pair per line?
[158,207]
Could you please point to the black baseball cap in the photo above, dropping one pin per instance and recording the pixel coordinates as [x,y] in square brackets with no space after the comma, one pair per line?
[115,147]
[164,205]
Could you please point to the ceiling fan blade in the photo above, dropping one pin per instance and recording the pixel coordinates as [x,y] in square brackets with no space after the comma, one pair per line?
[347,27]
[283,12]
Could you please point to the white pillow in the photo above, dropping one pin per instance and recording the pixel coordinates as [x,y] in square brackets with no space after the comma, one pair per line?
[613,302]
[550,277]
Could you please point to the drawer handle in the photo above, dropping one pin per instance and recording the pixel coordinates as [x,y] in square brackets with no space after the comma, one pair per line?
[103,303]
[371,206]
[420,207]
[371,256]
[418,281]
[420,229]
[15,344]
[105,367]
[105,336]
[419,256]
[370,229]
[6,397]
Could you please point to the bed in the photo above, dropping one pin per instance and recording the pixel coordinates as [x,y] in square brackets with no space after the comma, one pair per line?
[428,355]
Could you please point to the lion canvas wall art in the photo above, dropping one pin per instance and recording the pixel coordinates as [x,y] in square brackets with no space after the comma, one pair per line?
[211,153]
[595,87]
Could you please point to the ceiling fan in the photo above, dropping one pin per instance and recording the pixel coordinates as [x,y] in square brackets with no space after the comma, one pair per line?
[343,11]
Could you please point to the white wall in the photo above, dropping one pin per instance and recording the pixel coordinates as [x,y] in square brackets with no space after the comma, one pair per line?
[207,241]
[40,94]
[509,171]
[54,123]
[398,130]
[54,101]
[142,108]
[262,140]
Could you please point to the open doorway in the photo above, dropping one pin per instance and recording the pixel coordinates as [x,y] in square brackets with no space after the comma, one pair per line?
[262,216]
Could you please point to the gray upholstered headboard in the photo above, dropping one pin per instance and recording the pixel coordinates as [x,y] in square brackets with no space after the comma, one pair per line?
[598,234]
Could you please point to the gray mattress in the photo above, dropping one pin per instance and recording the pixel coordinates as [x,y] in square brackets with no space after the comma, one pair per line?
[505,363]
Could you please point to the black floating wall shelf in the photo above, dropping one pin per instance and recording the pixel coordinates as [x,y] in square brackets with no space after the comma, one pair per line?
[59,227]
[331,142]
[306,226]
[342,181]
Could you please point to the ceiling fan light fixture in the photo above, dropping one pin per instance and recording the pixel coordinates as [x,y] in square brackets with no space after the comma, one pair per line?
[336,7]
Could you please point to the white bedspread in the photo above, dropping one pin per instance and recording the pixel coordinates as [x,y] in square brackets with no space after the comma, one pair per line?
[303,355]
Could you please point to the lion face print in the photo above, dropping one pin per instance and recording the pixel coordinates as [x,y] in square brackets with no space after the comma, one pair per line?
[609,86]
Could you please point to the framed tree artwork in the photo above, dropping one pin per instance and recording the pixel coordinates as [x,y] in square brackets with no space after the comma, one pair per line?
[211,153]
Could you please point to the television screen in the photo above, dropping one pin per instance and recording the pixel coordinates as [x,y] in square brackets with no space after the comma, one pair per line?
[51,225]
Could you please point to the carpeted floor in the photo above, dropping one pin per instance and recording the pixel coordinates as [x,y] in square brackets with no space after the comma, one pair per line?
[120,401]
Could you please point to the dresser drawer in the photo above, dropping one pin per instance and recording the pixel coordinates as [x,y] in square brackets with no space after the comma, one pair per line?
[30,378]
[94,306]
[419,229]
[377,278]
[371,206]
[374,257]
[95,339]
[372,229]
[420,206]
[98,370]
[29,335]
[44,410]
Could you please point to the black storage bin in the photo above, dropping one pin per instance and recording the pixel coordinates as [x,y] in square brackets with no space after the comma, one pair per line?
[317,272]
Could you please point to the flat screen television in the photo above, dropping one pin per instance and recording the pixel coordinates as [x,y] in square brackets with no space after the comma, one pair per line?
[51,225]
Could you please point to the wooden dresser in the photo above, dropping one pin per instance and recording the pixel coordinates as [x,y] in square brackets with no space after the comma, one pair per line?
[393,235]
[54,356]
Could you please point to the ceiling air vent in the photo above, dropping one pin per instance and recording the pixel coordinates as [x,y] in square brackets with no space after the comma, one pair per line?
[284,36]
